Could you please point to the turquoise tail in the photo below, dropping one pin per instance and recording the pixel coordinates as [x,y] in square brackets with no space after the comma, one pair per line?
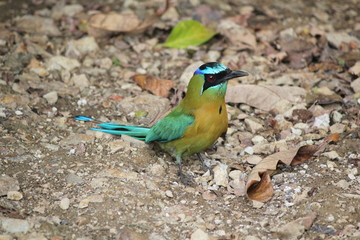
[117,129]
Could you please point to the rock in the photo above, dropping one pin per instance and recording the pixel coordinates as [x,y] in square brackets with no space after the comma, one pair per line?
[355,70]
[64,203]
[14,195]
[33,236]
[129,234]
[295,229]
[337,38]
[169,194]
[336,116]
[212,56]
[118,174]
[72,178]
[5,237]
[75,139]
[170,15]
[79,48]
[2,112]
[288,35]
[252,125]
[331,155]
[257,204]
[157,170]
[8,184]
[322,121]
[221,175]
[189,72]
[51,97]
[337,128]
[118,146]
[355,85]
[199,235]
[84,203]
[258,140]
[105,63]
[80,81]
[235,174]
[72,9]
[13,225]
[36,24]
[98,182]
[249,150]
[343,184]
[60,62]
[251,238]
[296,131]
[134,142]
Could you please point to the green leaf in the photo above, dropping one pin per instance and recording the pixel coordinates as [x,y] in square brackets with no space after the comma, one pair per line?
[188,33]
[116,61]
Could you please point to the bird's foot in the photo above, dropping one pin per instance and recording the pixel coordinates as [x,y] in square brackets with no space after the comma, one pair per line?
[205,163]
[186,179]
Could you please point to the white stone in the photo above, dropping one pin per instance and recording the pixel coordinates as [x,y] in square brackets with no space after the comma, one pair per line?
[199,235]
[13,225]
[296,131]
[169,194]
[252,125]
[62,63]
[64,203]
[322,121]
[337,128]
[14,195]
[221,175]
[249,150]
[258,140]
[355,85]
[51,97]
[80,81]
[84,203]
[331,155]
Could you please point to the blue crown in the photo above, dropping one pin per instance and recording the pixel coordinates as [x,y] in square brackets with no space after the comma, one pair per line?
[210,68]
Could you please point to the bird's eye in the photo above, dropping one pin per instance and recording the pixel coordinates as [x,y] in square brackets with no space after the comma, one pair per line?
[210,77]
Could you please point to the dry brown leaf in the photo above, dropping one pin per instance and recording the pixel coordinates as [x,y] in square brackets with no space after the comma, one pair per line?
[104,24]
[259,186]
[157,86]
[264,97]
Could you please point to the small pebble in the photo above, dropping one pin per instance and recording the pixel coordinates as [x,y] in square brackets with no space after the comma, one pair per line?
[64,203]
[14,195]
[169,194]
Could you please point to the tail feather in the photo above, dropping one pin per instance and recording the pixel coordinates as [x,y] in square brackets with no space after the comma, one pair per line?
[117,129]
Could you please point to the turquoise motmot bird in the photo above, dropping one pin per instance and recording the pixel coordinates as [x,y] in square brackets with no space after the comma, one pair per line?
[195,124]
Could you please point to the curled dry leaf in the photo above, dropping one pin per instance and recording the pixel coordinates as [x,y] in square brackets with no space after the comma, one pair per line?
[104,24]
[157,86]
[259,186]
[264,97]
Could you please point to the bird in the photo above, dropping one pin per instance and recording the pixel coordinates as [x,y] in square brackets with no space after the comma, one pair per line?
[194,124]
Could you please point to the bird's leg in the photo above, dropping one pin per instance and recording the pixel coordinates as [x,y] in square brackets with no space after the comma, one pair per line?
[204,167]
[185,179]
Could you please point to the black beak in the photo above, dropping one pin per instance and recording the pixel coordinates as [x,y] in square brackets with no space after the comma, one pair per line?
[234,74]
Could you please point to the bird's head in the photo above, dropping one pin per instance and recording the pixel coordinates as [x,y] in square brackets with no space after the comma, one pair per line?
[216,74]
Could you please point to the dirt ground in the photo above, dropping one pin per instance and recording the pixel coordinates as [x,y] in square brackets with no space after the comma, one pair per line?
[59,180]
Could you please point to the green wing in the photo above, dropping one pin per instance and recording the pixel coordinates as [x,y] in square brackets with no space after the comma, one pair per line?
[170,128]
